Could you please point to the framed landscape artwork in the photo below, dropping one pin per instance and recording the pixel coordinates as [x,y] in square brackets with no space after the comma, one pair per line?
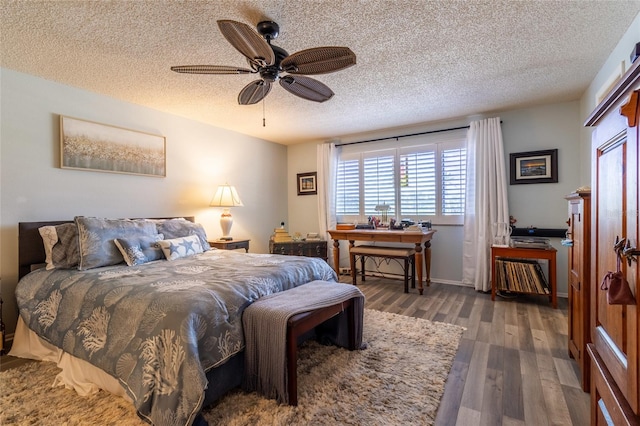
[307,183]
[86,145]
[534,167]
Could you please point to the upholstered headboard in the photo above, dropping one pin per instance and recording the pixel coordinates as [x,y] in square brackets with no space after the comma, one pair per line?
[30,247]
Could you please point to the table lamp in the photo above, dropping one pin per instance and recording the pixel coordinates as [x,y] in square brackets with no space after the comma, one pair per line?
[226,196]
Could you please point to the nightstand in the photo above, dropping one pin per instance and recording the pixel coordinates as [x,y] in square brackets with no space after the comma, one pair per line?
[230,245]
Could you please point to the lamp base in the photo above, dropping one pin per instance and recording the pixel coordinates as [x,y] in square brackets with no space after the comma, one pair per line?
[225,223]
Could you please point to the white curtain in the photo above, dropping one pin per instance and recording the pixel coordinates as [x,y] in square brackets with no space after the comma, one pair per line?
[327,155]
[486,209]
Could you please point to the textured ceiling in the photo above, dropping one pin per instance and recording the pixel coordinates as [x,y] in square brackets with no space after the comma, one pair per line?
[417,61]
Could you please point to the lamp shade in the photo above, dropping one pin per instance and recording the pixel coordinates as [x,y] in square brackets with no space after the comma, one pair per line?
[226,196]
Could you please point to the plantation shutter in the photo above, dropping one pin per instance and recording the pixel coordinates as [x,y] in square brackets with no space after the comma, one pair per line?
[418,183]
[348,188]
[453,181]
[420,177]
[379,182]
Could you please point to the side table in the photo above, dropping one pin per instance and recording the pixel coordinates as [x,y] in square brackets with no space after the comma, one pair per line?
[526,253]
[230,245]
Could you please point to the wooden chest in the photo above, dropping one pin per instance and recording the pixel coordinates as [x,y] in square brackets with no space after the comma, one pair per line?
[300,248]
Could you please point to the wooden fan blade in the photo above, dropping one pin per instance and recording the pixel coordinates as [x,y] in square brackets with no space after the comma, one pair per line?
[306,88]
[210,69]
[254,92]
[247,41]
[319,60]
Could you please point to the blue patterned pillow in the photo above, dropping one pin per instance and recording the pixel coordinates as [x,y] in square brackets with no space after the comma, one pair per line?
[96,235]
[139,250]
[180,247]
[177,228]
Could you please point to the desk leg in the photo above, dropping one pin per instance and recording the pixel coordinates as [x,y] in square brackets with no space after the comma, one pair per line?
[427,261]
[553,282]
[336,256]
[418,261]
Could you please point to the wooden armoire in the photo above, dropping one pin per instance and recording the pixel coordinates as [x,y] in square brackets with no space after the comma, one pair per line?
[615,347]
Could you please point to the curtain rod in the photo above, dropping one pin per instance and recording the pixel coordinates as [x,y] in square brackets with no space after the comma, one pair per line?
[404,136]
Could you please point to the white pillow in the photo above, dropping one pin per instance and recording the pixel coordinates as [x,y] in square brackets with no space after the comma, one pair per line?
[180,247]
[49,239]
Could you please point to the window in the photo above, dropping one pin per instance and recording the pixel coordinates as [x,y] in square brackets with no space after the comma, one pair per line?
[421,179]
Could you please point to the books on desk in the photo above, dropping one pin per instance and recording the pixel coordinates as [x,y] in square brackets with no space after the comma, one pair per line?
[417,228]
[345,226]
[280,235]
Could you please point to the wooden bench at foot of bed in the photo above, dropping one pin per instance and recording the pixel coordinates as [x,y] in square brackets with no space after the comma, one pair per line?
[274,324]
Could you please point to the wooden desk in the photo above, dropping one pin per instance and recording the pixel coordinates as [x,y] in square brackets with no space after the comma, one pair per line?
[526,253]
[388,236]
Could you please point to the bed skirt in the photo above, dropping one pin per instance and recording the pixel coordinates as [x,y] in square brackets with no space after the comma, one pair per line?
[87,379]
[76,373]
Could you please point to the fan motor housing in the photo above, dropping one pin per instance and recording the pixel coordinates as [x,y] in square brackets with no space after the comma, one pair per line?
[269,73]
[268,29]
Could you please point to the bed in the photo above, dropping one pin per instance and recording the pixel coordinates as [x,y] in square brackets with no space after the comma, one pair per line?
[166,334]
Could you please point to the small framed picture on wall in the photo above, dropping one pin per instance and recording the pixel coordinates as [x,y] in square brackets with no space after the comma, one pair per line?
[307,184]
[534,167]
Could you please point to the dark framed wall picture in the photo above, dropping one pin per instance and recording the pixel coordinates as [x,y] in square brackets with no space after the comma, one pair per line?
[307,183]
[534,167]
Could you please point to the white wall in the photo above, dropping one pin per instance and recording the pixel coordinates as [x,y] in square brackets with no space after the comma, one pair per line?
[199,157]
[611,69]
[542,205]
[547,127]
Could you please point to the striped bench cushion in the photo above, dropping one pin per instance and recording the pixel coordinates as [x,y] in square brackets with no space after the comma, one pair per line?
[382,251]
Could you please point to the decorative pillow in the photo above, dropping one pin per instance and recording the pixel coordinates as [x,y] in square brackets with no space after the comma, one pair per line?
[60,245]
[96,235]
[139,250]
[177,228]
[49,239]
[180,247]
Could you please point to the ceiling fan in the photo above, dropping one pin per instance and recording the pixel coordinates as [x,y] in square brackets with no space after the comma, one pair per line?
[273,63]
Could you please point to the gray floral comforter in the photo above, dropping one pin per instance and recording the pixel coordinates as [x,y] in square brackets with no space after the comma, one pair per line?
[160,326]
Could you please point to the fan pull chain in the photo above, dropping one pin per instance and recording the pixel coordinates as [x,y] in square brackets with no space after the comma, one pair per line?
[264,120]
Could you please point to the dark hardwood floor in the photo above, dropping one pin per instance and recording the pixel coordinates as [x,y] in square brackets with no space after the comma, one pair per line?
[512,367]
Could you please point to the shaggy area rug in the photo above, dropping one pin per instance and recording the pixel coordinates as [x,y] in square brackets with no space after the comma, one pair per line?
[399,379]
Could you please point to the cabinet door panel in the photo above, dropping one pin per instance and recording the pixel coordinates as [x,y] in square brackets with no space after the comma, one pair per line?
[615,334]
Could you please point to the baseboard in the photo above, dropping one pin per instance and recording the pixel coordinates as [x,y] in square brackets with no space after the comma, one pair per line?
[347,271]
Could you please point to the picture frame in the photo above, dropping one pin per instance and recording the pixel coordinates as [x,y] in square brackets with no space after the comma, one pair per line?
[534,167]
[307,183]
[87,145]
